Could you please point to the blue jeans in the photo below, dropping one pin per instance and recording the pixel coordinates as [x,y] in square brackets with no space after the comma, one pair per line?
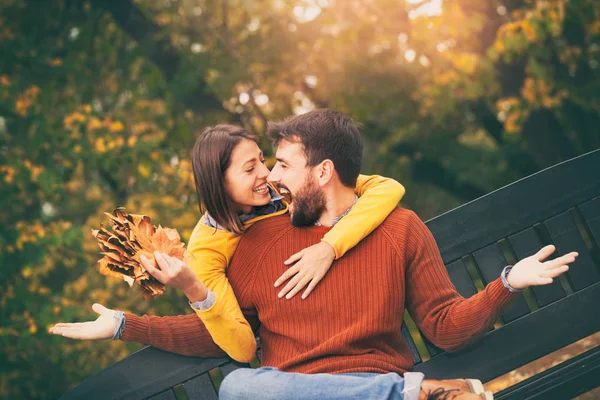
[270,383]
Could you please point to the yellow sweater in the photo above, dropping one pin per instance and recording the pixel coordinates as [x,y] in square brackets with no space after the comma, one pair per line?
[212,249]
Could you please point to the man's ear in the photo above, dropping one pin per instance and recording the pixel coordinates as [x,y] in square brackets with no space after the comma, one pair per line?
[325,171]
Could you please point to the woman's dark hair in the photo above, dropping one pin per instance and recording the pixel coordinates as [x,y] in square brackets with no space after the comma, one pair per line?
[211,156]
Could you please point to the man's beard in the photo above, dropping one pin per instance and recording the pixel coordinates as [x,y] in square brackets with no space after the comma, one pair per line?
[308,204]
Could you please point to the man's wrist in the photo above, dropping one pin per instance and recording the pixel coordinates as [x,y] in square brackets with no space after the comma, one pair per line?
[504,276]
[120,326]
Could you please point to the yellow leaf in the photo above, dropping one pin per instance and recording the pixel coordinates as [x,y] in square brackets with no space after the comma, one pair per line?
[54,62]
[94,124]
[465,62]
[116,126]
[143,170]
[100,145]
[72,118]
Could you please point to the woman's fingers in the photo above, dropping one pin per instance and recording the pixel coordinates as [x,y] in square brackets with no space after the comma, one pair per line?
[299,286]
[162,260]
[294,258]
[152,270]
[287,275]
[293,282]
[310,287]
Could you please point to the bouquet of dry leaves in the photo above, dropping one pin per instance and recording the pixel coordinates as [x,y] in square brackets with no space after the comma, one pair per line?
[132,236]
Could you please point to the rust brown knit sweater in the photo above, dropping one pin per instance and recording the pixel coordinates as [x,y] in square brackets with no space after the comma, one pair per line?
[351,322]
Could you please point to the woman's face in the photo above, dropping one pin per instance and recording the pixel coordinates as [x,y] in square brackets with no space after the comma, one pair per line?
[246,177]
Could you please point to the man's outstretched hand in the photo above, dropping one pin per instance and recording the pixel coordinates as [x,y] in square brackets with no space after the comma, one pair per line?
[533,271]
[101,328]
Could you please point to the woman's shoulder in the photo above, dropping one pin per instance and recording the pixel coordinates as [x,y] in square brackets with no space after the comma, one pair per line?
[203,233]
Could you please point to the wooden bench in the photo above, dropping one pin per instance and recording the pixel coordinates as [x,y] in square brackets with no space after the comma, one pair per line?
[560,205]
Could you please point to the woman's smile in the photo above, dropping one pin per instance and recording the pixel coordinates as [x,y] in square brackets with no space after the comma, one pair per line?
[261,190]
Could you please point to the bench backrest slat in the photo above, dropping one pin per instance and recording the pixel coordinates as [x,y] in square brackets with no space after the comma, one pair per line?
[565,235]
[459,275]
[591,214]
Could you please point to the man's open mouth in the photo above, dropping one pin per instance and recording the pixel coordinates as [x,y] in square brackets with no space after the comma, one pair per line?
[283,189]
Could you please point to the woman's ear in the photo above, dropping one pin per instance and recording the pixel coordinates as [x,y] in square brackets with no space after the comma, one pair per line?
[325,172]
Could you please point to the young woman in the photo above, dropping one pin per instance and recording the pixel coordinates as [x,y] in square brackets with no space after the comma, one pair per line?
[231,181]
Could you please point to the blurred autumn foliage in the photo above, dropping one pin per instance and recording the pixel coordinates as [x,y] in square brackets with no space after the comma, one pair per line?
[101,100]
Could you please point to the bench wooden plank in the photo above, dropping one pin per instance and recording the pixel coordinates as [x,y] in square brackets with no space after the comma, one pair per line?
[561,382]
[591,214]
[200,388]
[167,395]
[525,244]
[230,367]
[141,375]
[566,237]
[459,275]
[491,262]
[521,341]
[516,207]
[411,343]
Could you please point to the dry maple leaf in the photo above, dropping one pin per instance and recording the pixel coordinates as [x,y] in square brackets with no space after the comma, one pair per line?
[132,236]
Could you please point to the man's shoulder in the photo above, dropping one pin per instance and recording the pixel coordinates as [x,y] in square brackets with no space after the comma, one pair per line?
[400,217]
[266,229]
[401,222]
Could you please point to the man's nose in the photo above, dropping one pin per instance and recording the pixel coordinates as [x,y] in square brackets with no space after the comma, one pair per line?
[274,175]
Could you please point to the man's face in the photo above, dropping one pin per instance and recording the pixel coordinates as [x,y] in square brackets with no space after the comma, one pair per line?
[291,174]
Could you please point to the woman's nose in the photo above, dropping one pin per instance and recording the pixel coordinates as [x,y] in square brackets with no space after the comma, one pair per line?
[264,171]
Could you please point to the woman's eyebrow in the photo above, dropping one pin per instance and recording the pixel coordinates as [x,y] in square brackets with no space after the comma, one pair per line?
[251,161]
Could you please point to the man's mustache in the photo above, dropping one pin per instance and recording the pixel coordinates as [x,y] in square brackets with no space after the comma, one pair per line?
[281,188]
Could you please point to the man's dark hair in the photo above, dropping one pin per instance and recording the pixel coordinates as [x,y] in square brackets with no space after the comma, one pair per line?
[324,134]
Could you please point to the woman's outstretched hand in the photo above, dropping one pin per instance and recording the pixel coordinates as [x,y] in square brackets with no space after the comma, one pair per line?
[533,271]
[176,273]
[312,264]
[101,328]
